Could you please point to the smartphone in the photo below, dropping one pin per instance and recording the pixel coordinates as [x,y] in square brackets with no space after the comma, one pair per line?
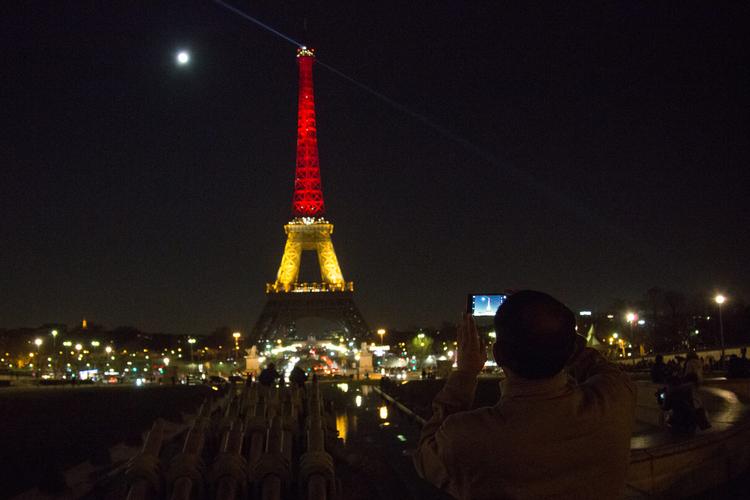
[484,304]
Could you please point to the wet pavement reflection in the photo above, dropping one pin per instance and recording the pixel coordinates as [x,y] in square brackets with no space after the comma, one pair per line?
[378,442]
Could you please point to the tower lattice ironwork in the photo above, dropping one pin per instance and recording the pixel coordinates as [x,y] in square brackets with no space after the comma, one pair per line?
[332,297]
[307,200]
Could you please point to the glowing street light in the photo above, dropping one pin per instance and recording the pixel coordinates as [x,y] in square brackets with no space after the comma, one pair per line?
[108,349]
[191,341]
[78,347]
[381,332]
[236,336]
[631,318]
[54,352]
[38,344]
[720,299]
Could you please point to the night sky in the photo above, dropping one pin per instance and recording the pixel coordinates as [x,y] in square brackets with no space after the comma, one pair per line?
[591,151]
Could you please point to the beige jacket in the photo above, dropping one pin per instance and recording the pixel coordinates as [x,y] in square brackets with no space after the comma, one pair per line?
[563,437]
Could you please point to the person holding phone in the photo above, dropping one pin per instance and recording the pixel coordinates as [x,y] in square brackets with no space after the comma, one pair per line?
[562,425]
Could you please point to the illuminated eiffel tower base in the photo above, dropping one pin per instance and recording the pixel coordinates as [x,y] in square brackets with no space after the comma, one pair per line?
[289,301]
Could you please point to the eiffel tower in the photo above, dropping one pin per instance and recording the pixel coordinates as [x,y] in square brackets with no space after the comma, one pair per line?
[288,299]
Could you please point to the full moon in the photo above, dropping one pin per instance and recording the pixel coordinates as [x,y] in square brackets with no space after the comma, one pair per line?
[183,57]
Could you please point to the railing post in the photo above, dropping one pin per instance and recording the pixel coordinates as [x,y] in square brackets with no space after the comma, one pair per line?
[186,473]
[229,472]
[144,473]
[273,469]
[316,478]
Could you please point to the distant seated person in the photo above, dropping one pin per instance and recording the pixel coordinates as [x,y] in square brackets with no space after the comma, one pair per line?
[268,375]
[554,433]
[660,372]
[298,376]
[739,366]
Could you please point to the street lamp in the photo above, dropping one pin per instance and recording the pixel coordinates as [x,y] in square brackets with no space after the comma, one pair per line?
[54,353]
[78,348]
[720,299]
[191,341]
[236,336]
[381,332]
[38,343]
[631,318]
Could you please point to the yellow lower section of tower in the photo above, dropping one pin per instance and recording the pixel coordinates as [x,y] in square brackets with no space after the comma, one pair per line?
[309,236]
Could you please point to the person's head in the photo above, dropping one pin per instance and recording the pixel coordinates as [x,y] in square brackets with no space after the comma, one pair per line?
[659,359]
[271,366]
[535,334]
[743,352]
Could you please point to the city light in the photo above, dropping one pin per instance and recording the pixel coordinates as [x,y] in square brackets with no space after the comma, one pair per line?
[183,57]
[38,342]
[108,349]
[78,347]
[720,299]
[383,411]
[53,333]
[631,316]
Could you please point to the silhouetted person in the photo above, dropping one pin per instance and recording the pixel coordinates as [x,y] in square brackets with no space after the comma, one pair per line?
[268,375]
[298,376]
[659,372]
[554,433]
[739,367]
[692,370]
[679,403]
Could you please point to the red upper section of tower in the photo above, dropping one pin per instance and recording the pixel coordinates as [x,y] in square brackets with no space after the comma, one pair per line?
[308,192]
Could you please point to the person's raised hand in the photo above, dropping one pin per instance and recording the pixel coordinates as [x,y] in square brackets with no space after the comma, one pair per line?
[472,353]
